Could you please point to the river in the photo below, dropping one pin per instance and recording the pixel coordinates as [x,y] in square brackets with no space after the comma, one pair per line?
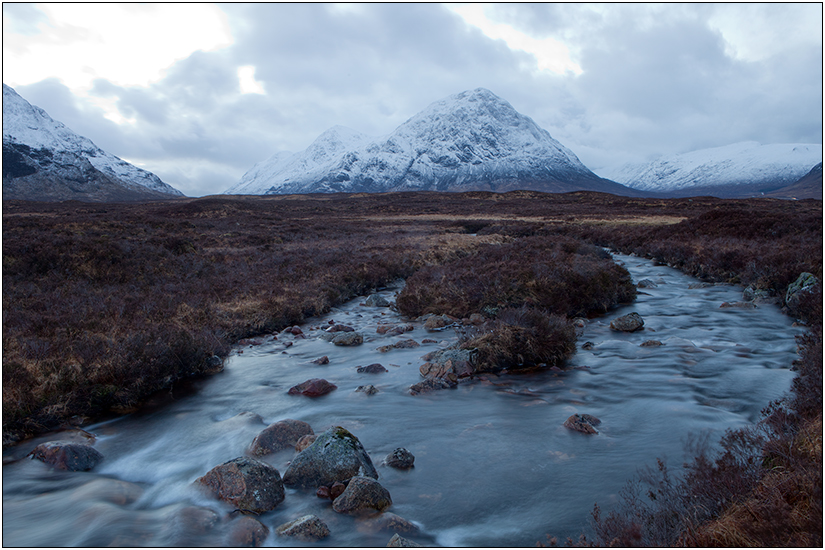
[493,464]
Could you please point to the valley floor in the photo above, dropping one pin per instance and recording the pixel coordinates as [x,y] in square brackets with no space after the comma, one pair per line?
[106,304]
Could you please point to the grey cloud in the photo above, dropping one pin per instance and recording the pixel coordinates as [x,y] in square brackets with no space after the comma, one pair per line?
[657,79]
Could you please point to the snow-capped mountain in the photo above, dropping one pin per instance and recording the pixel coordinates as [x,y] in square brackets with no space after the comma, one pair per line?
[738,170]
[469,141]
[45,160]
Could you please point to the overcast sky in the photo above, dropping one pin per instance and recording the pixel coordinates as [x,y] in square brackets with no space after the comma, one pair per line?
[198,93]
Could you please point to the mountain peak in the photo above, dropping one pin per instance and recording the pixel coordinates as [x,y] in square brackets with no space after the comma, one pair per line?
[473,140]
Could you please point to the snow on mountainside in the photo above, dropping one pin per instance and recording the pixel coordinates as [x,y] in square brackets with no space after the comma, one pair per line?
[748,165]
[45,160]
[469,141]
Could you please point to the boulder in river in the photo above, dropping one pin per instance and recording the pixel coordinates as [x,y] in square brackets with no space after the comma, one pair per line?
[582,423]
[281,435]
[321,360]
[646,283]
[247,483]
[307,528]
[400,458]
[628,323]
[363,495]
[314,387]
[348,339]
[335,455]
[67,455]
[376,300]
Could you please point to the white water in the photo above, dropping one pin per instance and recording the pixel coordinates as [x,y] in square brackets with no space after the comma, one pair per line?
[494,466]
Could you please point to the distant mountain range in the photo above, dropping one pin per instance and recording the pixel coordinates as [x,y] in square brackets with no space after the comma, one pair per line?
[469,141]
[746,169]
[44,160]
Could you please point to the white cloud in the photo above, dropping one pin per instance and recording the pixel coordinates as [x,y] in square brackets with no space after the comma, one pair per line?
[128,44]
[246,77]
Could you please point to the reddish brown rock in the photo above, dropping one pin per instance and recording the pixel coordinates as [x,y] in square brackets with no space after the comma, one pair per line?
[314,387]
[248,484]
[281,435]
[321,360]
[67,455]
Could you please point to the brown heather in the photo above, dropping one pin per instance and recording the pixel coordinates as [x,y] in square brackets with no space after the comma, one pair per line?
[105,304]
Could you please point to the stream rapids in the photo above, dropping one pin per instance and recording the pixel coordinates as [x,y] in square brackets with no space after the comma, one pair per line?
[493,464]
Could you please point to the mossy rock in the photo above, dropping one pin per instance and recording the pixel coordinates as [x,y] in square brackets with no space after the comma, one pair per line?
[335,455]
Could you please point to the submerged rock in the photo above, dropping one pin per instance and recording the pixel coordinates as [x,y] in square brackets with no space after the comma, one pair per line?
[306,528]
[739,305]
[335,455]
[278,436]
[321,360]
[67,455]
[650,344]
[628,323]
[375,368]
[314,387]
[247,483]
[247,532]
[363,495]
[646,283]
[368,389]
[388,523]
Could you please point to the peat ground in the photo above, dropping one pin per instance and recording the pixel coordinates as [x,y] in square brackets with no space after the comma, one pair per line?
[104,305]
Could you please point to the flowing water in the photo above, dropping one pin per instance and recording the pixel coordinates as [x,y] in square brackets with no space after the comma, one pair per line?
[493,464]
